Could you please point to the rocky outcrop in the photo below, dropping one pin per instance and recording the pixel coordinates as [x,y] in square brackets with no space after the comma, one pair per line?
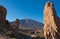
[3,13]
[51,22]
[3,22]
[17,23]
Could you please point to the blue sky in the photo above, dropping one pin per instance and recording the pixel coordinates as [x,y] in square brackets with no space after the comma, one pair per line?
[32,9]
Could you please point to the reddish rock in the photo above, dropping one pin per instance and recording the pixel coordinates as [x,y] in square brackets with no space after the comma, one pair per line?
[51,22]
[3,13]
[3,22]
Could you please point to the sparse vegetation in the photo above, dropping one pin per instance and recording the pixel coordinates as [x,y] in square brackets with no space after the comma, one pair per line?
[17,35]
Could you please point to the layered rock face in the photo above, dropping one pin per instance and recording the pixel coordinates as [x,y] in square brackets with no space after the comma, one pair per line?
[51,22]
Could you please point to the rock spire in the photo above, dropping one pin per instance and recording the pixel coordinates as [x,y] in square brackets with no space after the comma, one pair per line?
[51,22]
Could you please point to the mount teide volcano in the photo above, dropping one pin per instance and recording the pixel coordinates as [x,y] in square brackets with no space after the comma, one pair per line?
[29,24]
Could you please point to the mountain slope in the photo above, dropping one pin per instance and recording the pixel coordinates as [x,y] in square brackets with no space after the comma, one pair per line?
[29,23]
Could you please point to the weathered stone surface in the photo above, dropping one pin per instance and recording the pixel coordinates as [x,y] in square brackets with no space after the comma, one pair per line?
[17,23]
[51,22]
[3,13]
[3,21]
[8,25]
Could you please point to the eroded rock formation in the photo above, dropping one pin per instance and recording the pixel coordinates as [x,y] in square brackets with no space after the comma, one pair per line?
[3,13]
[51,22]
[17,23]
[3,22]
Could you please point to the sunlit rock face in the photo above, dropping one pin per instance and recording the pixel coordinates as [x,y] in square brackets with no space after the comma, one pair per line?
[51,22]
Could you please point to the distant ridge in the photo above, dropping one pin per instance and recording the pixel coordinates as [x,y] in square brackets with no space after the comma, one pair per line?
[29,24]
